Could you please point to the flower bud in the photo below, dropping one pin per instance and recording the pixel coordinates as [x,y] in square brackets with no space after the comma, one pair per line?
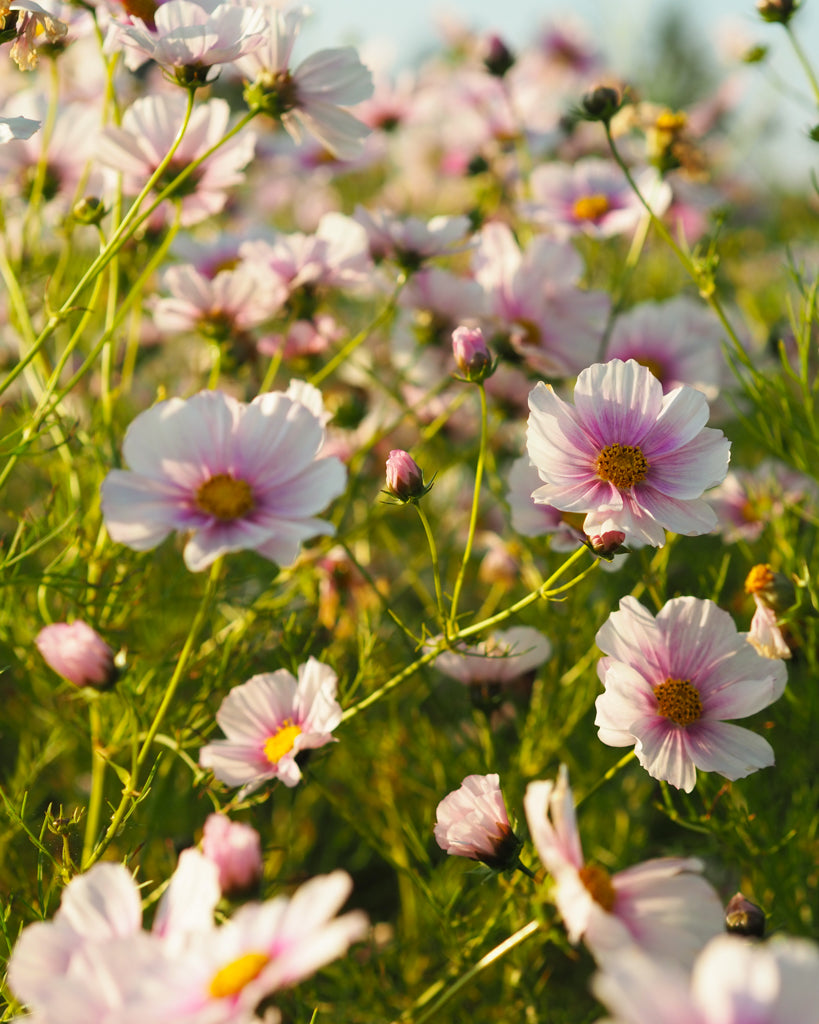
[601,104]
[89,210]
[77,653]
[472,822]
[608,543]
[405,480]
[780,11]
[236,851]
[472,357]
[497,58]
[744,918]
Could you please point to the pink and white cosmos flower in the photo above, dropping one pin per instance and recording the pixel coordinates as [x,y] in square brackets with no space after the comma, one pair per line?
[232,476]
[733,982]
[663,905]
[268,721]
[671,681]
[629,457]
[472,822]
[505,656]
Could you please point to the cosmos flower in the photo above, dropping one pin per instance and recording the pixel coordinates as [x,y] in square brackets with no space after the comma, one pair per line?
[236,851]
[671,681]
[78,653]
[629,457]
[233,476]
[505,656]
[268,721]
[662,905]
[733,981]
[472,822]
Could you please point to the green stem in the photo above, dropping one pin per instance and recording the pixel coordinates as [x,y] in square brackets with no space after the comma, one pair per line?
[473,516]
[131,790]
[608,776]
[802,57]
[436,570]
[92,819]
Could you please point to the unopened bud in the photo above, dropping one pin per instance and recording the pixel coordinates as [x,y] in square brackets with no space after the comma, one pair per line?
[89,210]
[773,589]
[601,104]
[498,58]
[780,11]
[607,544]
[472,357]
[78,653]
[236,851]
[744,918]
[405,481]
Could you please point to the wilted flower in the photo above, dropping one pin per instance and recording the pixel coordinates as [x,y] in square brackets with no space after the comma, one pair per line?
[405,481]
[35,27]
[268,721]
[236,851]
[78,653]
[672,681]
[472,822]
[629,457]
[234,476]
[664,905]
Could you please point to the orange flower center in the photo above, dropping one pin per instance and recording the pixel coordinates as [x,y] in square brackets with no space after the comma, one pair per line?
[679,701]
[623,465]
[758,579]
[232,978]
[598,884]
[281,742]
[591,207]
[225,497]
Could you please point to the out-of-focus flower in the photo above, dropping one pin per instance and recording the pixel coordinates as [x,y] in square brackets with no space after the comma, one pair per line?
[733,982]
[672,681]
[313,97]
[600,103]
[35,27]
[234,476]
[78,653]
[780,11]
[747,500]
[17,128]
[773,593]
[766,635]
[472,357]
[629,457]
[236,851]
[533,299]
[405,480]
[497,57]
[678,340]
[507,655]
[742,917]
[268,721]
[150,126]
[472,822]
[592,197]
[663,906]
[188,38]
[410,241]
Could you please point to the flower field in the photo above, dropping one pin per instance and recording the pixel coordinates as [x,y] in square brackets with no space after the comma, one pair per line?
[409,512]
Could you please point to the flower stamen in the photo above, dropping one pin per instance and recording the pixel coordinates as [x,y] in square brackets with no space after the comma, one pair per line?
[282,741]
[599,886]
[623,465]
[225,497]
[679,701]
[232,978]
[591,207]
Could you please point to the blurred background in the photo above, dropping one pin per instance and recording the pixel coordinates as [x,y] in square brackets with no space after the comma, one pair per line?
[677,53]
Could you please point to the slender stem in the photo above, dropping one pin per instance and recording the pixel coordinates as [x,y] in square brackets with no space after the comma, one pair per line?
[131,790]
[92,819]
[499,951]
[802,57]
[436,570]
[608,776]
[473,516]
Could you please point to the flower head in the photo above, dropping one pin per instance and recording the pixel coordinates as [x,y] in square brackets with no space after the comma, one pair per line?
[78,653]
[234,476]
[629,457]
[405,480]
[671,681]
[268,721]
[662,905]
[472,357]
[236,851]
[472,822]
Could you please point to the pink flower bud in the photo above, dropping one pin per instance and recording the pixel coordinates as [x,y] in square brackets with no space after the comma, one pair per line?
[236,851]
[77,653]
[497,57]
[472,357]
[405,480]
[742,917]
[606,544]
[472,822]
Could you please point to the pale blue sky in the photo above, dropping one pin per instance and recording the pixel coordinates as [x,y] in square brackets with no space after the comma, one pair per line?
[402,31]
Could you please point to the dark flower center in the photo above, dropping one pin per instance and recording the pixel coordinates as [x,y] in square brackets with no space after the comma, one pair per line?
[225,497]
[623,465]
[679,701]
[598,884]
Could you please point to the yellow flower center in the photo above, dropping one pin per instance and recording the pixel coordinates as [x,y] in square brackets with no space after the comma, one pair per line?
[671,121]
[598,883]
[281,742]
[232,978]
[591,207]
[759,579]
[225,497]
[678,700]
[623,465]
